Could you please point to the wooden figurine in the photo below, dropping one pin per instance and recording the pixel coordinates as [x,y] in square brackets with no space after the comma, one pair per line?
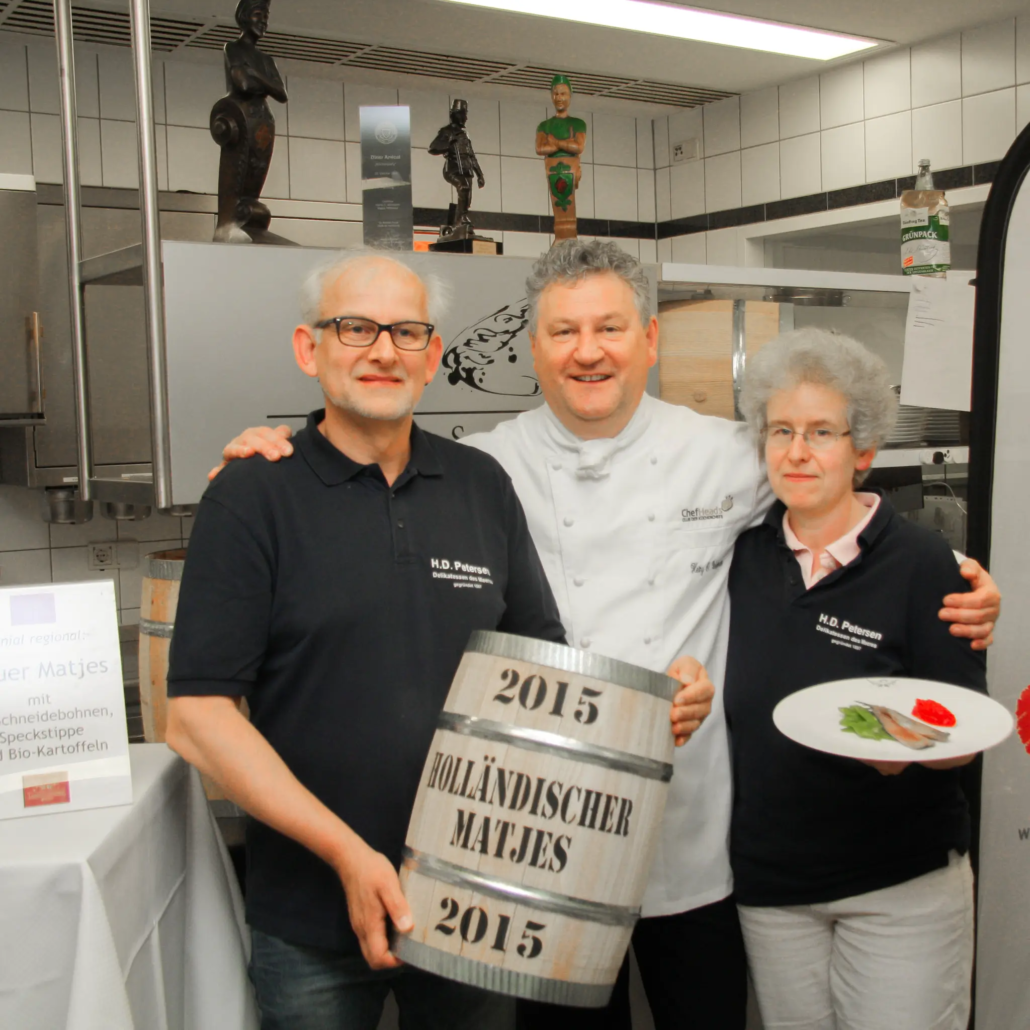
[560,140]
[243,126]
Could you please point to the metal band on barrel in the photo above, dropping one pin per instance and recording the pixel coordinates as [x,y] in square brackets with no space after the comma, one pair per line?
[568,659]
[162,568]
[543,900]
[494,978]
[156,629]
[548,743]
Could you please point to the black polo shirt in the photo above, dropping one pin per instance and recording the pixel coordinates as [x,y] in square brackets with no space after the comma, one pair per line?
[339,607]
[810,827]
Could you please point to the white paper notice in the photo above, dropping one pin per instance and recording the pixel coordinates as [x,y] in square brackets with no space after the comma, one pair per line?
[63,739]
[938,365]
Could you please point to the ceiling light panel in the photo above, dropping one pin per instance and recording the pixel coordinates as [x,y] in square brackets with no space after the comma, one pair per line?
[689,23]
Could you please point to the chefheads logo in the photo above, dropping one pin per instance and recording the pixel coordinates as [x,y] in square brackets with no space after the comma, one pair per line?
[702,514]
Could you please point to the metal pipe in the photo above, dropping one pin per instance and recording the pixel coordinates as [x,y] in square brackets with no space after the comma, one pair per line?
[35,331]
[153,283]
[72,215]
[739,354]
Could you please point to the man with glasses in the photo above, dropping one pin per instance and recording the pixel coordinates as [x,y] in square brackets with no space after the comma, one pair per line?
[309,590]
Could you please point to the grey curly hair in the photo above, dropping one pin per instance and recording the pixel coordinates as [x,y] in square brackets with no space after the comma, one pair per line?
[570,261]
[831,359]
[316,281]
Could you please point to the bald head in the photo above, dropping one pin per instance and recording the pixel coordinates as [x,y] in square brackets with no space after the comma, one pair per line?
[361,270]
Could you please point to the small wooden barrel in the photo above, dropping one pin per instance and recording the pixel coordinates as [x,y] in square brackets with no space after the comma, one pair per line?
[536,820]
[162,573]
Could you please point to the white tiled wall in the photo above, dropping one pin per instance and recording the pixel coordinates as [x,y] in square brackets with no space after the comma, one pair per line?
[31,551]
[958,100]
[317,156]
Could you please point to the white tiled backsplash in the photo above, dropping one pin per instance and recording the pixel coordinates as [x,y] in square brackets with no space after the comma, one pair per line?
[33,551]
[959,101]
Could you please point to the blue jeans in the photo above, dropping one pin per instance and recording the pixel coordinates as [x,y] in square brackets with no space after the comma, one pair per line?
[302,988]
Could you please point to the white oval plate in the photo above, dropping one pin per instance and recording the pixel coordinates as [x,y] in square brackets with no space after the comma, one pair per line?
[812,717]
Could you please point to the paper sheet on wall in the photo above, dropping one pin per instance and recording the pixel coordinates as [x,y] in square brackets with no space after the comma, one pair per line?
[938,364]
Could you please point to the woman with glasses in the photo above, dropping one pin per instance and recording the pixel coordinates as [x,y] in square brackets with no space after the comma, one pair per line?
[852,879]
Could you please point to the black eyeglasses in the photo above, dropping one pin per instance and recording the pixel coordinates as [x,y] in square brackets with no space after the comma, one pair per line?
[363,332]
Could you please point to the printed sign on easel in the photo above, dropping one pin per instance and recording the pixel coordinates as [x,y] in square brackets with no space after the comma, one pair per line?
[64,745]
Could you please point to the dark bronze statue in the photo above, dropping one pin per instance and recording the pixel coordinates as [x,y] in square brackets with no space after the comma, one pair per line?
[243,126]
[460,167]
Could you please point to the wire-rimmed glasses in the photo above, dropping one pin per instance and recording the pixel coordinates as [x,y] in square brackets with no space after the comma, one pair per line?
[779,438]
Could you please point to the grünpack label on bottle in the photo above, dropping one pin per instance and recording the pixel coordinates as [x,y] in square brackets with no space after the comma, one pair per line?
[925,227]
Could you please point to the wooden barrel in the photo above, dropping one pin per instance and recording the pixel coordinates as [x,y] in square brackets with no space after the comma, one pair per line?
[536,820]
[162,573]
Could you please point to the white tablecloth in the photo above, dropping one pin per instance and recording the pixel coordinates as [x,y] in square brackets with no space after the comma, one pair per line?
[124,918]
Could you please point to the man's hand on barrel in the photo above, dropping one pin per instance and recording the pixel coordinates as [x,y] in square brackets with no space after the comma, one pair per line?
[373,897]
[270,443]
[693,704]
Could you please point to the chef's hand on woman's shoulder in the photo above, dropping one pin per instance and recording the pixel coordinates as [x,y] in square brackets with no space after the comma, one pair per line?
[270,443]
[693,704]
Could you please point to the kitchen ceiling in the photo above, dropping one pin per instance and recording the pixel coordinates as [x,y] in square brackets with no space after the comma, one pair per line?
[449,28]
[476,45]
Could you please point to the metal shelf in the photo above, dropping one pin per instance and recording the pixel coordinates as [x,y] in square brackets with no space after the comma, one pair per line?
[897,457]
[122,267]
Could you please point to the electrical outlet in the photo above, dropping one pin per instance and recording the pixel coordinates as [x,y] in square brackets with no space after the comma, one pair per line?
[687,150]
[103,555]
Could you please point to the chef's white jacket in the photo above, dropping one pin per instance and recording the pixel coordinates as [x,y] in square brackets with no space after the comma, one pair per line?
[636,535]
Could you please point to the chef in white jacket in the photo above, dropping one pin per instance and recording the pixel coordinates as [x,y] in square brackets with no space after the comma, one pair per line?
[634,506]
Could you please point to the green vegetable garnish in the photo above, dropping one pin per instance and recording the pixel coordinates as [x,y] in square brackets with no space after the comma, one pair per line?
[863,723]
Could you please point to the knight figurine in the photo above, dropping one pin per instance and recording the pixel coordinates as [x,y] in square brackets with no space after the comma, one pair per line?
[460,168]
[243,126]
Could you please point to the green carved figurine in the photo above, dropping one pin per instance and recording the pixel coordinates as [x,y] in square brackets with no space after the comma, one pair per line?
[560,140]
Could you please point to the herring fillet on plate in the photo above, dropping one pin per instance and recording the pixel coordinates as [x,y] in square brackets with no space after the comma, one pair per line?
[905,730]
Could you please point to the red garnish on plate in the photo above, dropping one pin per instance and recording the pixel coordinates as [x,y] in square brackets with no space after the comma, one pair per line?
[933,712]
[1023,718]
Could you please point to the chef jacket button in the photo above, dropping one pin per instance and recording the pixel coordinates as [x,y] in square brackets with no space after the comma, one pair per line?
[556,465]
[578,581]
[654,460]
[650,516]
[585,642]
[650,581]
[647,640]
[568,521]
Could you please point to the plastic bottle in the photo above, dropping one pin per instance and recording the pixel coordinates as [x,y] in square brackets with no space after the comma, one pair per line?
[925,225]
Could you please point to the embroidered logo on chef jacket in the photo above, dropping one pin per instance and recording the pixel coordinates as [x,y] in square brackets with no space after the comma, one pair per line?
[702,514]
[461,575]
[847,634]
